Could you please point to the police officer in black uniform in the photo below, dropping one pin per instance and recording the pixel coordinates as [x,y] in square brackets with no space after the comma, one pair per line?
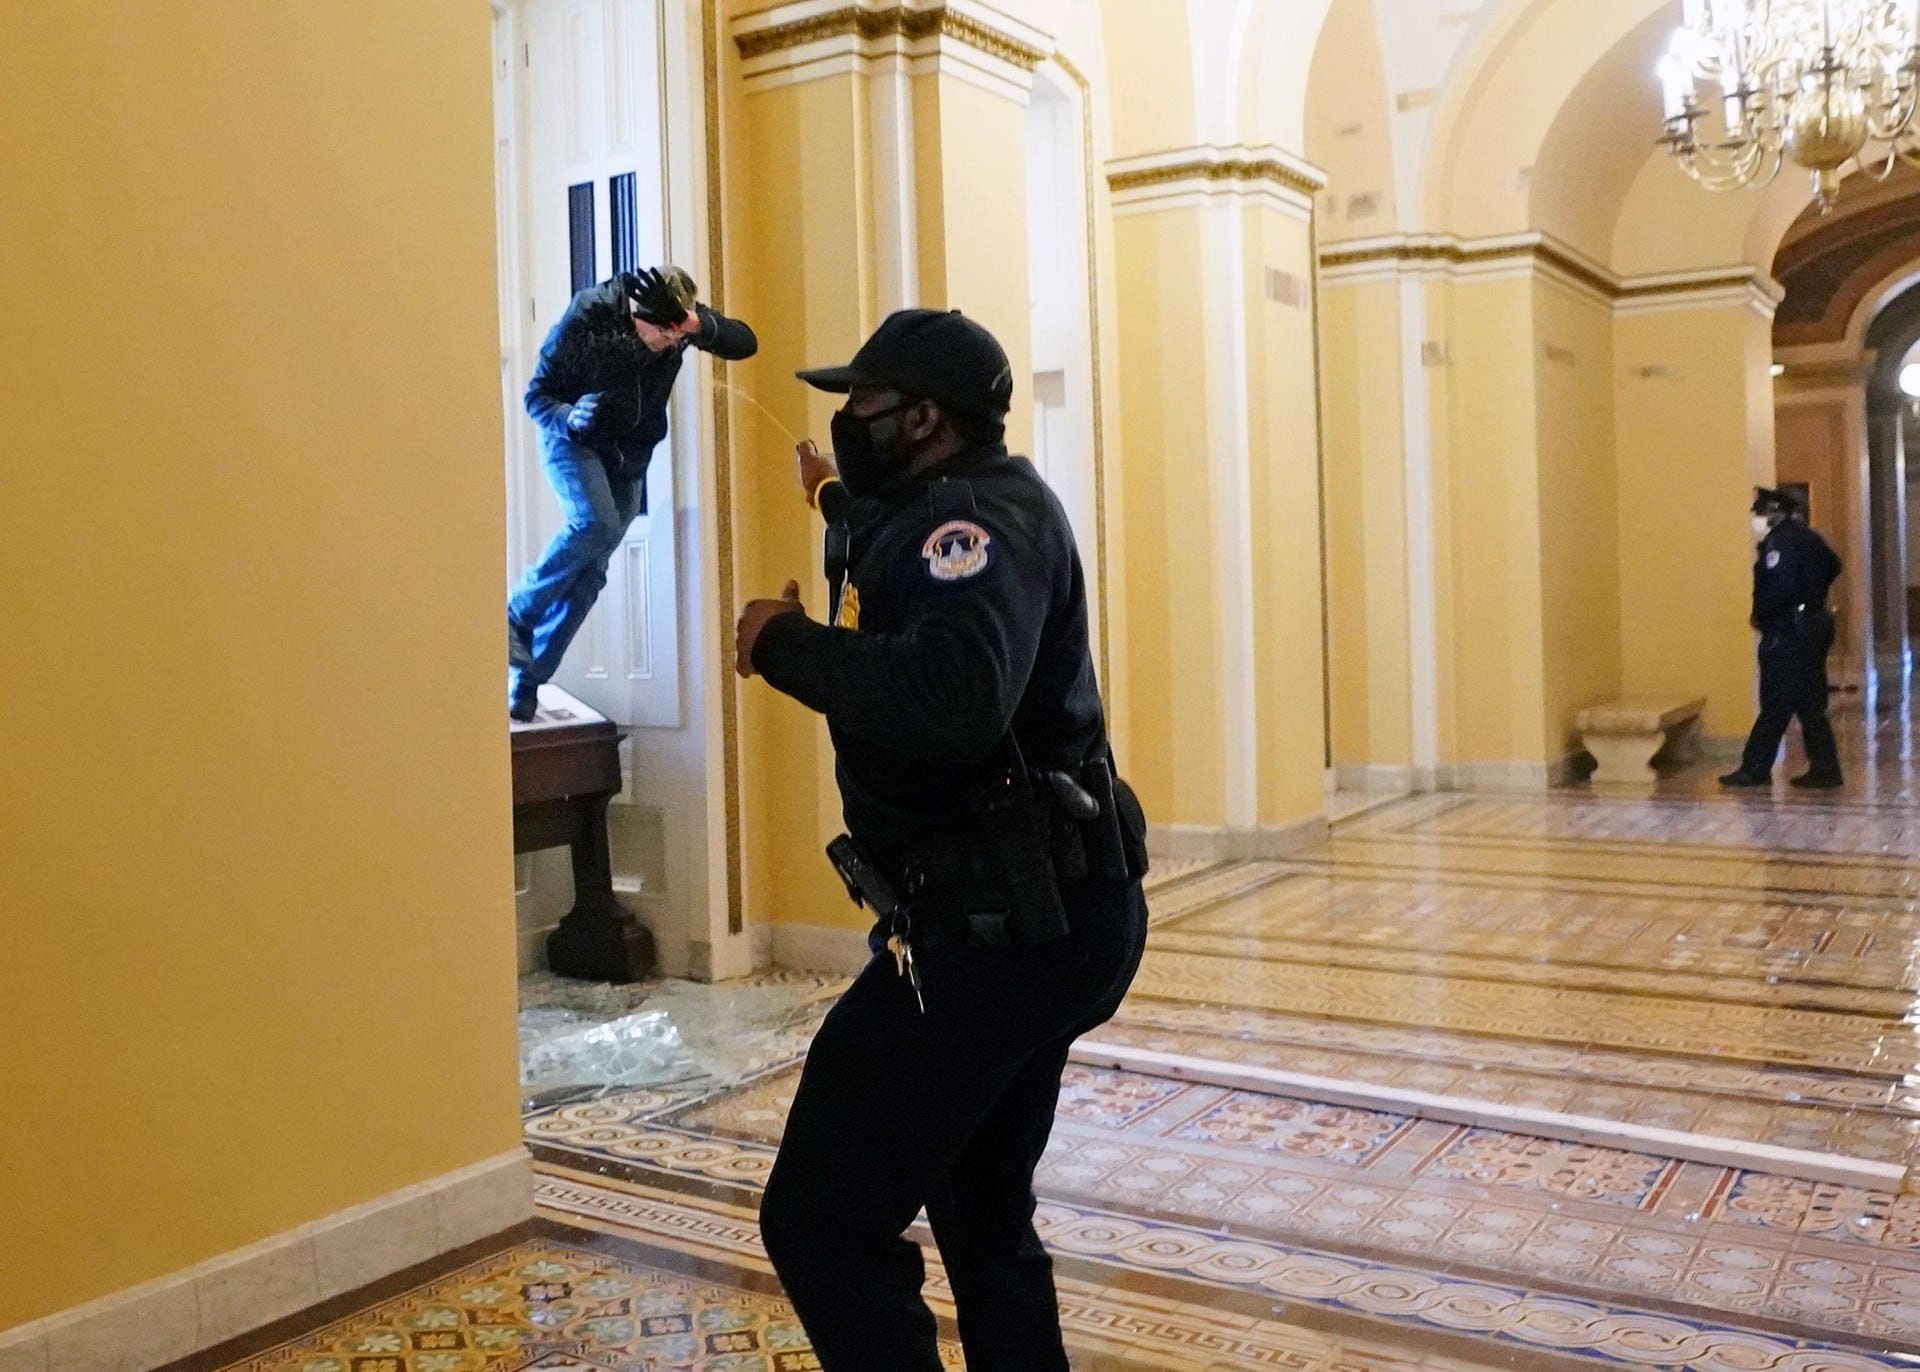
[1792,574]
[990,838]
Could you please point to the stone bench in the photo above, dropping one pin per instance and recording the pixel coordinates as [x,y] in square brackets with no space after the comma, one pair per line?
[1624,737]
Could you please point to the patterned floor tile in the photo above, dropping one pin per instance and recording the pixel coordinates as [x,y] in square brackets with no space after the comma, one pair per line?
[1740,969]
[1511,1206]
[1850,1043]
[549,1305]
[1579,1170]
[1302,1128]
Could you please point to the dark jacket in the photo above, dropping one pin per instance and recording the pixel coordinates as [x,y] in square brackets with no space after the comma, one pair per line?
[594,348]
[1794,570]
[972,611]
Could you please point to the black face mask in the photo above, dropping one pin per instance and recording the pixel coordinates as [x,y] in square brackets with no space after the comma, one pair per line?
[864,463]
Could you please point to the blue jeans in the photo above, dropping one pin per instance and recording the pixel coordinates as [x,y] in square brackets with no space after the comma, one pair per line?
[553,598]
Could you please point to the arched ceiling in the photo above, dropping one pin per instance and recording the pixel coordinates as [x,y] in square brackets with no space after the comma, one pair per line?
[1600,139]
[1893,336]
[1527,62]
[1209,72]
[1349,132]
[1837,267]
[1446,116]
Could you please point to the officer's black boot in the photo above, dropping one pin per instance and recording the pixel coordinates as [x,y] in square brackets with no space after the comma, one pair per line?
[1763,744]
[1817,780]
[1823,750]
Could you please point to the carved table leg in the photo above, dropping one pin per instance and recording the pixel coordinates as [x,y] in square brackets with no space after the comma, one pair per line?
[599,939]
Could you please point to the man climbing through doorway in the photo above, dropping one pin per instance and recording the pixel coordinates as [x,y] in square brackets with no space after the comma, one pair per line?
[599,395]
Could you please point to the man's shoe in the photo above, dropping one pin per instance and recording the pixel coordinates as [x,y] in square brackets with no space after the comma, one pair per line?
[523,705]
[1818,781]
[519,645]
[1745,781]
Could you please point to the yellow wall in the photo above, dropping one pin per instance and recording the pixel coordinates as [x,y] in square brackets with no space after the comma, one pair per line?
[1600,136]
[1173,650]
[1150,66]
[1368,654]
[1504,97]
[1281,45]
[1284,450]
[1695,435]
[1491,583]
[258,876]
[803,246]
[1579,521]
[972,217]
[1349,133]
[801,243]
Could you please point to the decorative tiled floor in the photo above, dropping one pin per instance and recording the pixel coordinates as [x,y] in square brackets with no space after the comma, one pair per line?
[1737,969]
[1512,1209]
[1745,970]
[561,1306]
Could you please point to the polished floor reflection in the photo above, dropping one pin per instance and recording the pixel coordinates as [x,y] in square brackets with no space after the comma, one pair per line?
[1516,1081]
[1484,1080]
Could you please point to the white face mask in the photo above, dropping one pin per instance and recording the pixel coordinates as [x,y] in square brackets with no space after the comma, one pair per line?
[1762,526]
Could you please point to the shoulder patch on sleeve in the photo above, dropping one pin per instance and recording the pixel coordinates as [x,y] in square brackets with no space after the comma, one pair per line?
[957,550]
[1773,558]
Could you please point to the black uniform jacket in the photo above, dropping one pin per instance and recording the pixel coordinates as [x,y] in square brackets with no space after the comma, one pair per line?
[1795,568]
[594,348]
[972,619]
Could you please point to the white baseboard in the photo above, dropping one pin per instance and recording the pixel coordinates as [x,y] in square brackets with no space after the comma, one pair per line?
[171,1317]
[1374,778]
[816,948]
[1199,842]
[730,956]
[1506,776]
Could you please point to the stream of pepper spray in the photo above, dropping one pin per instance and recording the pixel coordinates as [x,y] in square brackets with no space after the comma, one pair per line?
[732,389]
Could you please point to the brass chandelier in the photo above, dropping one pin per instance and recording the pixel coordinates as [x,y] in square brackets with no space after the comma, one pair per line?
[1822,83]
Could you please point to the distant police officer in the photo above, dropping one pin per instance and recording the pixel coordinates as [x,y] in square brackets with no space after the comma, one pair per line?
[599,395]
[989,837]
[1792,574]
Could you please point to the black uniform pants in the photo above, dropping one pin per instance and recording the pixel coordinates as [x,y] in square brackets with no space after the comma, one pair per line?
[1793,682]
[949,1110]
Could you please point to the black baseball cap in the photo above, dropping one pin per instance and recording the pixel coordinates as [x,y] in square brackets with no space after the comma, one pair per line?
[938,355]
[1766,500]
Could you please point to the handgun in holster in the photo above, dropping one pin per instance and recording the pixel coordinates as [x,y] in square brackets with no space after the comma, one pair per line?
[1016,826]
[868,886]
[1099,831]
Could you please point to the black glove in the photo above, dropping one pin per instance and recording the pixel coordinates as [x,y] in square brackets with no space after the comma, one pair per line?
[584,417]
[662,295]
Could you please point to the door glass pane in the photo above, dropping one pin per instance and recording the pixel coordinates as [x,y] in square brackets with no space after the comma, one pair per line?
[580,234]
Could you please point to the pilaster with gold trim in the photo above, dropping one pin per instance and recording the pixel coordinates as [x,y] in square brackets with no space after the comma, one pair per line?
[1218,410]
[883,166]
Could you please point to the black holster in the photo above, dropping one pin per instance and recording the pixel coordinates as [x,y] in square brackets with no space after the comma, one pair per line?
[997,884]
[1115,839]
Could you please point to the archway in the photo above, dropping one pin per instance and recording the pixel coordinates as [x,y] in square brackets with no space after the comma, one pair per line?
[1840,344]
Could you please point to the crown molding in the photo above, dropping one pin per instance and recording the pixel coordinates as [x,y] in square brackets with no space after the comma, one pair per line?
[1450,258]
[809,40]
[1180,177]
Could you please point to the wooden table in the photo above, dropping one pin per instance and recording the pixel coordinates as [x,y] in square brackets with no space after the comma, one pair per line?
[566,767]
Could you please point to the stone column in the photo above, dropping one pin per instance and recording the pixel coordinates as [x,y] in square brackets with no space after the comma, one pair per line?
[1221,494]
[881,165]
